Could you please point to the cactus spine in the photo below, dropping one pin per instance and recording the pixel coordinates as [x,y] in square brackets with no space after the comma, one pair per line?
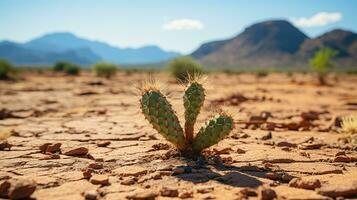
[193,101]
[158,111]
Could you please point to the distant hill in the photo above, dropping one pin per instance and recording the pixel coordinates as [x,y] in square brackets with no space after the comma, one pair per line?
[66,46]
[275,43]
[18,54]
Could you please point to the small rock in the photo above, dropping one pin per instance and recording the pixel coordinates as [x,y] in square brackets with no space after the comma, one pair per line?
[182,170]
[103,143]
[142,195]
[130,171]
[5,145]
[100,180]
[80,151]
[43,147]
[204,189]
[90,195]
[265,193]
[53,148]
[87,174]
[341,190]
[51,157]
[225,150]
[247,192]
[4,187]
[21,189]
[340,153]
[169,192]
[161,146]
[285,144]
[344,159]
[185,195]
[267,136]
[308,184]
[128,181]
[95,165]
[311,146]
[240,151]
[272,176]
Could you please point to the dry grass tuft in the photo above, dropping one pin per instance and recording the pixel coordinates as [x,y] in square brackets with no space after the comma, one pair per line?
[349,124]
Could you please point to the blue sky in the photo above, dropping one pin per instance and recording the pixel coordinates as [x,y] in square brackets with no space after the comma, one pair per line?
[179,25]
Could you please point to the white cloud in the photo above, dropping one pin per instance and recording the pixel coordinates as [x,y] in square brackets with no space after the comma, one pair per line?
[183,24]
[319,19]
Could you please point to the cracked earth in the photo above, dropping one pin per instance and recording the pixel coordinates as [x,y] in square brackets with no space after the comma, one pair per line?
[85,138]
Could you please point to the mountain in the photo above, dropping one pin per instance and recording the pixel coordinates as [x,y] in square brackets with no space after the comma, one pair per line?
[275,43]
[65,41]
[52,47]
[345,42]
[269,43]
[19,54]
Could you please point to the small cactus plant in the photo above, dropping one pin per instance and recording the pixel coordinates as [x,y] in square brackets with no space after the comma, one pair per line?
[158,111]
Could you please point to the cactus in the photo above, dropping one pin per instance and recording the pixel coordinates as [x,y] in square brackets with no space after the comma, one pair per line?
[213,132]
[158,111]
[193,101]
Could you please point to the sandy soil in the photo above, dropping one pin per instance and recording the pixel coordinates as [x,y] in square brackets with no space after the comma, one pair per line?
[285,144]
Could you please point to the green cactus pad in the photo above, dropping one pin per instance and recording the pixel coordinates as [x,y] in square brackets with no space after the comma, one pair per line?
[158,111]
[213,132]
[193,101]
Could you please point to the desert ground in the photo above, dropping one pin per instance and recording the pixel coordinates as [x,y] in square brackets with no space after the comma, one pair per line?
[84,137]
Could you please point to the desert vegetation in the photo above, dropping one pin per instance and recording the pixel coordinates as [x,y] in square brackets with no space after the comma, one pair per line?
[6,69]
[322,62]
[184,67]
[67,68]
[104,69]
[158,111]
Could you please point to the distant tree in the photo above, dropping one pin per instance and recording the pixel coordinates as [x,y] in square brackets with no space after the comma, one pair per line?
[322,61]
[5,69]
[71,69]
[59,66]
[183,67]
[104,69]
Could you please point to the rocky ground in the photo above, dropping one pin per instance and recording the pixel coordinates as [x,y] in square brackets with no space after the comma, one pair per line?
[85,138]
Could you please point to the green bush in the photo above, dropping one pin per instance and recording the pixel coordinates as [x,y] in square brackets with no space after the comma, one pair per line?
[322,61]
[104,69]
[59,66]
[5,69]
[71,69]
[184,67]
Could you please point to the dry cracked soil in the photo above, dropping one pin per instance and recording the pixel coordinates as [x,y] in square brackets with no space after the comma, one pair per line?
[85,138]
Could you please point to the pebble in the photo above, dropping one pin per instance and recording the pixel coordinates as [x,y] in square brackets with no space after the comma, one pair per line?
[103,143]
[21,189]
[204,189]
[128,181]
[87,173]
[185,195]
[308,184]
[267,136]
[169,192]
[53,148]
[100,180]
[90,195]
[4,187]
[142,195]
[286,144]
[95,166]
[265,193]
[344,159]
[240,151]
[130,171]
[80,151]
